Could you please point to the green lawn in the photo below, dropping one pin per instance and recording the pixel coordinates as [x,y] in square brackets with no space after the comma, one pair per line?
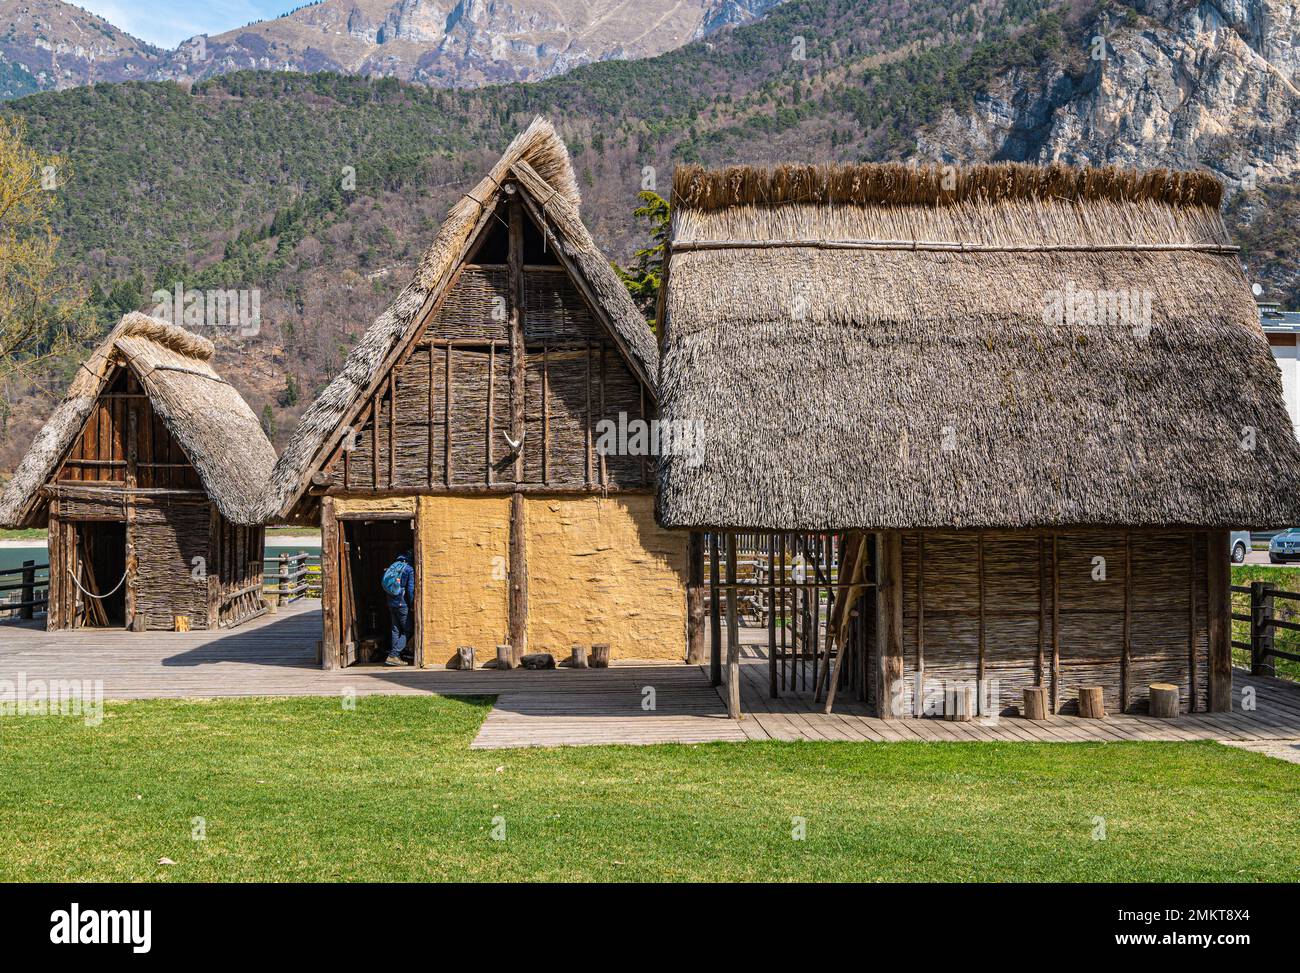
[303,789]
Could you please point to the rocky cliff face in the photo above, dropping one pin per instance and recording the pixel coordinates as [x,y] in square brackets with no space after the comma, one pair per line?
[46,44]
[1174,83]
[54,45]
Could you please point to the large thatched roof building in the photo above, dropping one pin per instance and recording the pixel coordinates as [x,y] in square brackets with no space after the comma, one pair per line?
[150,475]
[995,376]
[465,424]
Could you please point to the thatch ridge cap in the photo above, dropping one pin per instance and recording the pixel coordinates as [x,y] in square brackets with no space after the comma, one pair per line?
[698,188]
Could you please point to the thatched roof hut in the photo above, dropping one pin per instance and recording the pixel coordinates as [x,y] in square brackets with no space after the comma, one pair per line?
[152,471]
[471,426]
[539,161]
[206,414]
[1002,346]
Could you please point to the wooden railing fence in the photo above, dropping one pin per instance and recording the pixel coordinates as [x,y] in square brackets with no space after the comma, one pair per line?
[32,584]
[292,576]
[1264,623]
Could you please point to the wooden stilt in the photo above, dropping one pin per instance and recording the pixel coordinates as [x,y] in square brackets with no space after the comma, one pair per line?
[715,615]
[733,634]
[695,606]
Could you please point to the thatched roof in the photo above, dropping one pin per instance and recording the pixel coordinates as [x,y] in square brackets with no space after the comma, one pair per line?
[879,347]
[208,418]
[538,162]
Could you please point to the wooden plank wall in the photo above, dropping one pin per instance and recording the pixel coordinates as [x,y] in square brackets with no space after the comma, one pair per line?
[100,453]
[440,423]
[1034,608]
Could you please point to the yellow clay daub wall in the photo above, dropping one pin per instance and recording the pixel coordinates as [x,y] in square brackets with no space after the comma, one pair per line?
[601,570]
[464,550]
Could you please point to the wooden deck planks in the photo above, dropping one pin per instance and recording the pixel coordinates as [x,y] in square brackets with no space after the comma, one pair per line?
[275,656]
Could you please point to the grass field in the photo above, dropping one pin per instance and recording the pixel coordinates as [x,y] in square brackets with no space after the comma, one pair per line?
[304,789]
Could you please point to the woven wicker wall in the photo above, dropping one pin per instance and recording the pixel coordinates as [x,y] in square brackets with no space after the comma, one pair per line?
[168,536]
[575,376]
[989,596]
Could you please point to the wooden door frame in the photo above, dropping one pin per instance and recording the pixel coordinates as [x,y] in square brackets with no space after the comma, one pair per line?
[333,525]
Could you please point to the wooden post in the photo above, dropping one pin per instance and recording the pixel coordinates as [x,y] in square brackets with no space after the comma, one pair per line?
[1056,625]
[518,580]
[889,619]
[918,704]
[715,615]
[1035,703]
[1219,611]
[331,594]
[134,621]
[54,596]
[600,656]
[1126,648]
[1192,661]
[979,663]
[771,618]
[733,634]
[28,592]
[212,566]
[417,552]
[1164,700]
[1092,704]
[282,580]
[695,609]
[518,596]
[465,657]
[959,704]
[578,660]
[505,657]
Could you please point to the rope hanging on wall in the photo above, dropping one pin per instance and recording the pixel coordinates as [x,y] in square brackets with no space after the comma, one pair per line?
[108,594]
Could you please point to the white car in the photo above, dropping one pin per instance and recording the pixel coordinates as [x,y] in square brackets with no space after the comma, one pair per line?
[1285,546]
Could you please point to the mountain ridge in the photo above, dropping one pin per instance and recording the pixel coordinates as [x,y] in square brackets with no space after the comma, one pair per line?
[878,81]
[53,45]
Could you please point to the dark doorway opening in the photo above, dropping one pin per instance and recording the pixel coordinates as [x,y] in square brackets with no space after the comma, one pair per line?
[100,575]
[369,547]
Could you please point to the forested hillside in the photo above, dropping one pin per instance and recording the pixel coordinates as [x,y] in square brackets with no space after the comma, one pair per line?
[322,190]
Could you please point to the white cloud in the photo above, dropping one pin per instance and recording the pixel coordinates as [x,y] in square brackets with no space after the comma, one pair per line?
[169,23]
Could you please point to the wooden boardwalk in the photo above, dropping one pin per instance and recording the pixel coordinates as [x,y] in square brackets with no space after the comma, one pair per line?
[627,703]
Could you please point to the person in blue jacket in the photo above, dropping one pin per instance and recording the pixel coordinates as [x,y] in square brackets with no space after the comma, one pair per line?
[399,589]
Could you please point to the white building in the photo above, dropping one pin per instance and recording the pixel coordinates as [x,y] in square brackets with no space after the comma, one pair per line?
[1283,330]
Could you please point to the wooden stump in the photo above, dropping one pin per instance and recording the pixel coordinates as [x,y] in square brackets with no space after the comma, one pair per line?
[504,661]
[538,660]
[464,657]
[1035,703]
[600,656]
[579,658]
[959,704]
[1091,704]
[1164,699]
[369,651]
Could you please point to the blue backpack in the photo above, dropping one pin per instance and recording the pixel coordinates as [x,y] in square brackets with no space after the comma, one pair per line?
[392,582]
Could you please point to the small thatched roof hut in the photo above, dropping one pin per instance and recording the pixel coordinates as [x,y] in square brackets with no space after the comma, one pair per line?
[207,416]
[149,438]
[1029,401]
[466,427]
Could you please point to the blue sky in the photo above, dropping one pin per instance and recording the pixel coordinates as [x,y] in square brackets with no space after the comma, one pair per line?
[168,22]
